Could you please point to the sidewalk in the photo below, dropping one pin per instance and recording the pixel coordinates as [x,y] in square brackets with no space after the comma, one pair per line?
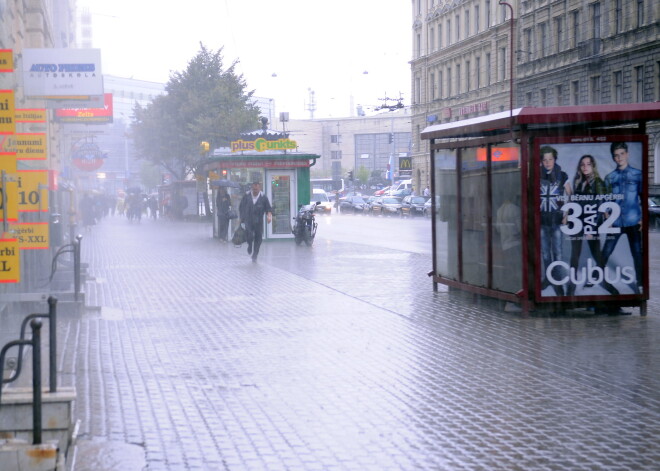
[197,359]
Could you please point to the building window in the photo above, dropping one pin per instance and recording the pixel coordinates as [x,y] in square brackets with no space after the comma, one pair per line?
[640,13]
[559,34]
[458,28]
[544,97]
[477,73]
[418,90]
[575,16]
[502,75]
[575,92]
[617,83]
[559,92]
[432,83]
[468,84]
[448,32]
[335,155]
[595,90]
[487,14]
[527,53]
[543,39]
[440,91]
[432,39]
[467,23]
[488,76]
[449,82]
[334,139]
[639,84]
[595,20]
[459,82]
[477,26]
[528,99]
[618,16]
[419,45]
[657,80]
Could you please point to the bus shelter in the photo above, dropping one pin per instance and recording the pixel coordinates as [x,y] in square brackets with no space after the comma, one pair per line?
[284,177]
[544,206]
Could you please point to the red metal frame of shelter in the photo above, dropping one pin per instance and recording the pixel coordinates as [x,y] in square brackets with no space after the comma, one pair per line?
[525,126]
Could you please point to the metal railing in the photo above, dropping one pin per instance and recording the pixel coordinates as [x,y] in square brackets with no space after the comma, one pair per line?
[35,341]
[73,247]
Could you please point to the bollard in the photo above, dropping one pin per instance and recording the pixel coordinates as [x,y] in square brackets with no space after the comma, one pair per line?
[76,266]
[52,343]
[36,381]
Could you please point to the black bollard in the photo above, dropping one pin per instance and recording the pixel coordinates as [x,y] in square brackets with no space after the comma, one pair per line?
[36,381]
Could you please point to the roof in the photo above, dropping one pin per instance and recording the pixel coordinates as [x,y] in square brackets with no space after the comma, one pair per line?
[499,123]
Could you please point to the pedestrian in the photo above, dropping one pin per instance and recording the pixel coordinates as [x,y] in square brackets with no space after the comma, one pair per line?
[222,207]
[427,192]
[87,211]
[337,194]
[251,210]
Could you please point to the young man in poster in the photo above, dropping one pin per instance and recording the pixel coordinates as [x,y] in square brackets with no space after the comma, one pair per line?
[554,188]
[626,181]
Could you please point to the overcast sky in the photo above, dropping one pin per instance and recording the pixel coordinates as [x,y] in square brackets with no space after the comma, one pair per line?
[308,44]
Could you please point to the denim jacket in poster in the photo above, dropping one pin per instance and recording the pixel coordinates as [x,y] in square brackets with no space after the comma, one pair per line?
[627,182]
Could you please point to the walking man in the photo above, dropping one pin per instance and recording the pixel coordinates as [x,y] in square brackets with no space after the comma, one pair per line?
[251,210]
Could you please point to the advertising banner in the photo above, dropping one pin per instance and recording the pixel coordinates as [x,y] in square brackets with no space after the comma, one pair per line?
[6,60]
[30,115]
[590,213]
[31,146]
[7,110]
[59,73]
[86,115]
[10,261]
[32,190]
[31,235]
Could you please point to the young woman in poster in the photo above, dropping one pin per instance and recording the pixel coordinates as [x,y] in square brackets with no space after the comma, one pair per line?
[587,181]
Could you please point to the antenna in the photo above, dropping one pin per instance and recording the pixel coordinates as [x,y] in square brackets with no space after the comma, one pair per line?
[311,105]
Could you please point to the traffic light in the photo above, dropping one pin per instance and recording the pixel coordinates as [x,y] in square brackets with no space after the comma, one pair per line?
[391,138]
[350,175]
[204,147]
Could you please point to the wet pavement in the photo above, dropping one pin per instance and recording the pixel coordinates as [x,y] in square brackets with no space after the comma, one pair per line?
[339,357]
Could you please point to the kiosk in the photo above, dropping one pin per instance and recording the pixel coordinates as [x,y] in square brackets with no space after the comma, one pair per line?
[544,205]
[270,158]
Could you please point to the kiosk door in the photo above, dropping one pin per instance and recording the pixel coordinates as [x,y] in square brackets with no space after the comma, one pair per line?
[281,190]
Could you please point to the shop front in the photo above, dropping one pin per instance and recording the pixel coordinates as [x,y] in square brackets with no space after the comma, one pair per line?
[284,178]
[544,206]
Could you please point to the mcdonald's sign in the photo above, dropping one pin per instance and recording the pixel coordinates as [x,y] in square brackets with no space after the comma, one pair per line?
[405,164]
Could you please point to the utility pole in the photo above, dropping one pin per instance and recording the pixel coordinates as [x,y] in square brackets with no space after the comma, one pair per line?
[311,105]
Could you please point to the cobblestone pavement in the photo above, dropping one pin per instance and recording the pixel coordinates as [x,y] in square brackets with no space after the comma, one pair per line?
[341,357]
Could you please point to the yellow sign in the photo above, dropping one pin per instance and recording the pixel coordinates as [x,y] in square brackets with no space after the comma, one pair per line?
[10,261]
[7,158]
[7,122]
[33,115]
[32,190]
[9,200]
[31,146]
[6,60]
[213,175]
[31,235]
[263,145]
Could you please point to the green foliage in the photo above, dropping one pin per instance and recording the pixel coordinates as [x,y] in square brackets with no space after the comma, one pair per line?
[363,175]
[202,103]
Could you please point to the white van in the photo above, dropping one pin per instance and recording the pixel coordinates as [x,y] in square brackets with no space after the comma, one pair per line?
[320,195]
[404,185]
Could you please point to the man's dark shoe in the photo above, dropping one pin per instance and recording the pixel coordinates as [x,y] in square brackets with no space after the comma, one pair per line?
[254,259]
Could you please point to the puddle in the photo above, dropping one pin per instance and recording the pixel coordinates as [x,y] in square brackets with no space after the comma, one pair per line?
[101,455]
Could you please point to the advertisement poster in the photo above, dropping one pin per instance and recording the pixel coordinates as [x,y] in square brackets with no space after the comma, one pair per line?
[590,213]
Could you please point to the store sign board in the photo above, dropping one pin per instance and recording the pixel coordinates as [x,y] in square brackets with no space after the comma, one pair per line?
[6,60]
[86,115]
[32,190]
[31,146]
[62,72]
[262,145]
[31,115]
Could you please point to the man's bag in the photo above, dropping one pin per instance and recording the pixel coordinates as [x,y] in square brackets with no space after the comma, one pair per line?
[240,235]
[231,214]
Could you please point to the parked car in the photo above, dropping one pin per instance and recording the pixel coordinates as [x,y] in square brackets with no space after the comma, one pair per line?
[352,204]
[413,205]
[427,206]
[326,205]
[375,206]
[654,212]
[382,191]
[401,193]
[391,206]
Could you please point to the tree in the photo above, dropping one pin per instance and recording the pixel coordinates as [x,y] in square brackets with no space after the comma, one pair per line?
[203,103]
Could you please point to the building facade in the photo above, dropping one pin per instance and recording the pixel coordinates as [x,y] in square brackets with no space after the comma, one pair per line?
[467,63]
[372,143]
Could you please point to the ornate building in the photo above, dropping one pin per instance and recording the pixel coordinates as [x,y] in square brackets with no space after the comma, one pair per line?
[563,53]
